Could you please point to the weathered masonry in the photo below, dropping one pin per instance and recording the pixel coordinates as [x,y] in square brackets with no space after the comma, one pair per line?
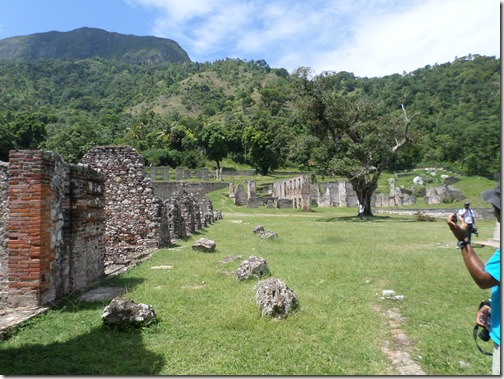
[296,190]
[299,192]
[132,212]
[64,226]
[53,228]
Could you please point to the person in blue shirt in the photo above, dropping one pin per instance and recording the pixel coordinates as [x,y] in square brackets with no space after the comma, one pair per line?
[484,275]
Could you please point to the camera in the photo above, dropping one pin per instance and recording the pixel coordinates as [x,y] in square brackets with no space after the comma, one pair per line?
[454,217]
[484,334]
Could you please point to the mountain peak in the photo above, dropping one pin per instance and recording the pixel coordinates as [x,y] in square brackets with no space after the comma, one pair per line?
[89,42]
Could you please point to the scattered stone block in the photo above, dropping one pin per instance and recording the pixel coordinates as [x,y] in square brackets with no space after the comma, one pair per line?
[258,229]
[417,180]
[275,299]
[255,202]
[285,203]
[268,234]
[252,267]
[204,245]
[391,295]
[124,313]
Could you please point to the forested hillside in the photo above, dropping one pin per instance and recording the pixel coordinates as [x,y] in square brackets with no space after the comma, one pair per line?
[92,43]
[192,113]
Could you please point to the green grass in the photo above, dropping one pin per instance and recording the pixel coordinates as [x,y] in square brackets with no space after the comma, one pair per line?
[209,323]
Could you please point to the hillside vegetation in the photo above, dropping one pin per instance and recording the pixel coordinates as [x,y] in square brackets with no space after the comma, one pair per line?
[89,43]
[197,114]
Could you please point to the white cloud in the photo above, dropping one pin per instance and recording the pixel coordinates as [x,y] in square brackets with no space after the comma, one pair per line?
[367,37]
[432,32]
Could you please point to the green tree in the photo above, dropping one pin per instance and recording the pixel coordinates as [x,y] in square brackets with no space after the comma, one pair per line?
[6,141]
[29,129]
[212,137]
[73,136]
[266,141]
[356,140]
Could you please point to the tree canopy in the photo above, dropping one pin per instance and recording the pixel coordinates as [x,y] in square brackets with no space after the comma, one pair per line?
[188,113]
[354,138]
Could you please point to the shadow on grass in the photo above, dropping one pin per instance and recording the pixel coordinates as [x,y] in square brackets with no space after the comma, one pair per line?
[195,234]
[366,219]
[120,281]
[102,351]
[74,303]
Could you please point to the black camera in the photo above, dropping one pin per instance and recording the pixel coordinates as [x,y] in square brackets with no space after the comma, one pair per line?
[454,217]
[484,334]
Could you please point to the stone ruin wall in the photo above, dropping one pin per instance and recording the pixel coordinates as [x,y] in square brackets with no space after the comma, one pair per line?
[342,194]
[140,217]
[298,192]
[133,215]
[62,224]
[52,228]
[4,254]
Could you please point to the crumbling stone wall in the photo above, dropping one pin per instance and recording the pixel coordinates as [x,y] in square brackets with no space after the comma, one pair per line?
[133,214]
[296,189]
[298,192]
[334,194]
[165,190]
[186,214]
[63,224]
[342,194]
[55,228]
[4,255]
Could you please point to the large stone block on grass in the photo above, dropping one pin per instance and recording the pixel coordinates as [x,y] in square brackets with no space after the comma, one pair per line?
[252,267]
[124,313]
[275,299]
[204,245]
[258,229]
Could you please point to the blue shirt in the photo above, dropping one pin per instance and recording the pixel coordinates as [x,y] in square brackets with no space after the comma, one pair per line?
[493,268]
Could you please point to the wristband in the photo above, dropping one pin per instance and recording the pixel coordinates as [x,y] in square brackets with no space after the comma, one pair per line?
[463,243]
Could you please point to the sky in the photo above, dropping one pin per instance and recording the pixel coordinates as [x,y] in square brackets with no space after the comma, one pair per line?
[369,38]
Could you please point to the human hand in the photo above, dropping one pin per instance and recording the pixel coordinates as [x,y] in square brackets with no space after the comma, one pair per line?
[460,231]
[482,315]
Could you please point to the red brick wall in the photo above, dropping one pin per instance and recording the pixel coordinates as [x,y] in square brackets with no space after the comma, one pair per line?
[29,227]
[55,230]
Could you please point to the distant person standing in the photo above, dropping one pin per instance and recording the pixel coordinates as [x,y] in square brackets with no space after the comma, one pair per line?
[468,216]
[361,210]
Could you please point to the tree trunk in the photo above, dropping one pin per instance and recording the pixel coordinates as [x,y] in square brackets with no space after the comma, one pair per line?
[364,190]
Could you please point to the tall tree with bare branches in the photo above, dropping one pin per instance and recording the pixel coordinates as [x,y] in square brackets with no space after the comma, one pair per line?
[356,139]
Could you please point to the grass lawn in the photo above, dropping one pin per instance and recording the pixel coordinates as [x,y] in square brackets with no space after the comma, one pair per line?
[209,323]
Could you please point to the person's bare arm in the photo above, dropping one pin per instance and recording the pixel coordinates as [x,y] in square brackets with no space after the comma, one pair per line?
[473,263]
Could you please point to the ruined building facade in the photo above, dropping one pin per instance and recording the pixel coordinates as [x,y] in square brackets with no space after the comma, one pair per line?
[62,225]
[299,192]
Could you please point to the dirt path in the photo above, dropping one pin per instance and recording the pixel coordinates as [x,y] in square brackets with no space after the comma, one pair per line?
[399,348]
